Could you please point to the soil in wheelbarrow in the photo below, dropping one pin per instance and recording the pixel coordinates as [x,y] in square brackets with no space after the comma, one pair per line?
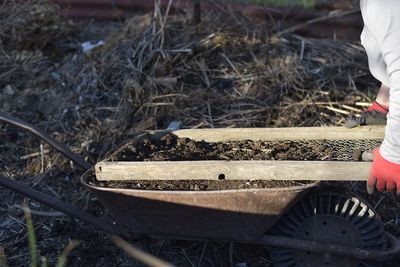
[172,148]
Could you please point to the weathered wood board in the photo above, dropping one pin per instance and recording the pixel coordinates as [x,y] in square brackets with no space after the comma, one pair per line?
[233,170]
[273,134]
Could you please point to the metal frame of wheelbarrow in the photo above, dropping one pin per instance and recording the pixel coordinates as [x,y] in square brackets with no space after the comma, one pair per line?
[267,240]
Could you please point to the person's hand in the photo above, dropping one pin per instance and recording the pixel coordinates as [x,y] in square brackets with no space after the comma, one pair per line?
[384,174]
[374,115]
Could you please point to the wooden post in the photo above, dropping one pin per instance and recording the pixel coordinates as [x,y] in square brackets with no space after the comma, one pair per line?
[196,19]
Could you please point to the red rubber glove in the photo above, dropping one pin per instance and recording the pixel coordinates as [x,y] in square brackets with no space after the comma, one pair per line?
[384,174]
[374,115]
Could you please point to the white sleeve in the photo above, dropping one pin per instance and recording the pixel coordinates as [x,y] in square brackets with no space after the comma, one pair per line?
[383,21]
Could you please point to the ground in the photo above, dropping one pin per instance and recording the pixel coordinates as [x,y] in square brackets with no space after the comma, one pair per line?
[227,71]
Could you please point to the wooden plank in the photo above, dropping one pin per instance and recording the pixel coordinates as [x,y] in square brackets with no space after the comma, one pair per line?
[294,133]
[233,170]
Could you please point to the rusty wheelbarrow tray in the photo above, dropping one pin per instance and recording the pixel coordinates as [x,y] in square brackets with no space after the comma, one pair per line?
[241,215]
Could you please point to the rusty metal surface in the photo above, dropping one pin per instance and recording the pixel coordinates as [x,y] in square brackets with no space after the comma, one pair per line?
[243,214]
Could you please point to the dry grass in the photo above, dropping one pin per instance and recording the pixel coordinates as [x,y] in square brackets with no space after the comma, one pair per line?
[153,69]
[227,74]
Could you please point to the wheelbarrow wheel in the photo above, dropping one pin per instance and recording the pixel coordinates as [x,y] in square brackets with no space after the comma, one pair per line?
[329,217]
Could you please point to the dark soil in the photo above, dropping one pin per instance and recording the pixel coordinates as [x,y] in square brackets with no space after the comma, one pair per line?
[198,185]
[171,148]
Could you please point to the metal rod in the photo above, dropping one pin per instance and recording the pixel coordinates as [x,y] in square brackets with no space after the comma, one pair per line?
[60,206]
[358,253]
[47,138]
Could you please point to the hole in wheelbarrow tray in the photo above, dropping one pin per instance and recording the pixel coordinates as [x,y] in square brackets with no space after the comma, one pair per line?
[170,148]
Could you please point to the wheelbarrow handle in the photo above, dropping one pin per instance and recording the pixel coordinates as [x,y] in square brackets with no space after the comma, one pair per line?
[60,206]
[44,199]
[357,253]
[47,138]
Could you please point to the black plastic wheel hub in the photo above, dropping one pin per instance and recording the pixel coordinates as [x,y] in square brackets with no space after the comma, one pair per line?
[333,218]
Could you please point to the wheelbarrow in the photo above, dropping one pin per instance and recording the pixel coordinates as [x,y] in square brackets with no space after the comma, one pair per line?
[306,225]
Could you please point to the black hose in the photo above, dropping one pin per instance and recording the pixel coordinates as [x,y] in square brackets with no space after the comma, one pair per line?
[44,199]
[47,138]
[60,206]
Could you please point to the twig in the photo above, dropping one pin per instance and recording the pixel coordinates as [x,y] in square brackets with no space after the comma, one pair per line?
[231,250]
[379,202]
[303,44]
[362,104]
[3,258]
[176,51]
[62,259]
[139,254]
[233,66]
[158,104]
[31,236]
[202,253]
[188,259]
[338,110]
[169,95]
[351,108]
[41,158]
[40,213]
[34,155]
[209,114]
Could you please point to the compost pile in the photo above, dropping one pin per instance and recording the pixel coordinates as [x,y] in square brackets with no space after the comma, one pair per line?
[153,69]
